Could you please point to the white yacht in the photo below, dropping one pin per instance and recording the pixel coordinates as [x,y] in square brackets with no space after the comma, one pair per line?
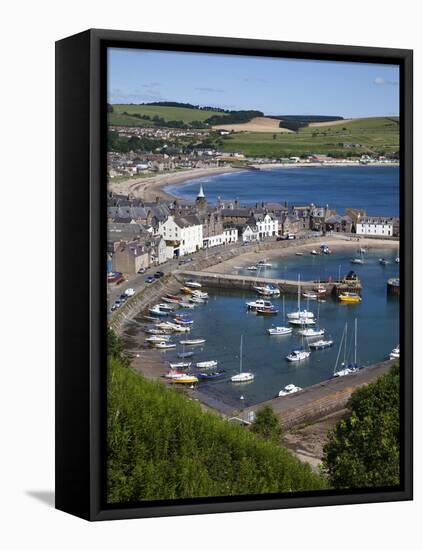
[288,389]
[311,332]
[298,355]
[242,376]
[395,353]
[279,330]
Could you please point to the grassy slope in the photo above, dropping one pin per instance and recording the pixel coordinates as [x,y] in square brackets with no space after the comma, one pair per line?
[162,446]
[374,134]
[167,113]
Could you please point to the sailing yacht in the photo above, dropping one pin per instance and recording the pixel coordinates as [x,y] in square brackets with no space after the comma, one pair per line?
[358,259]
[300,315]
[242,376]
[351,368]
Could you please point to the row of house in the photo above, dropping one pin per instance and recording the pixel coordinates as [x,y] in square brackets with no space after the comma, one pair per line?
[143,234]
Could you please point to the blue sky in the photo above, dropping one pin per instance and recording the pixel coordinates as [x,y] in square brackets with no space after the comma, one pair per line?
[274,86]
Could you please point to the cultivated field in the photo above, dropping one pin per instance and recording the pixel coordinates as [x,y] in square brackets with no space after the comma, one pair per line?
[379,135]
[257,124]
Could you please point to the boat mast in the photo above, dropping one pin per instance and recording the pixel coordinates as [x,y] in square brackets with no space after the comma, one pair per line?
[339,351]
[355,344]
[345,346]
[240,356]
[299,293]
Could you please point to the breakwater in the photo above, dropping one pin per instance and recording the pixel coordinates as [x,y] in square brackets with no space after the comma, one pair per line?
[319,400]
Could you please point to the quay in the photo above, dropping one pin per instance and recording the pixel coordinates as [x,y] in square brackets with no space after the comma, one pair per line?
[320,400]
[247,282]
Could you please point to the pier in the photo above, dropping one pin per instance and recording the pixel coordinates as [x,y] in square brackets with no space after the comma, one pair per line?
[247,282]
[319,400]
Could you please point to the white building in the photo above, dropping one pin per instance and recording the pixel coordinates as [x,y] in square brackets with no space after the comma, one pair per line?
[183,235]
[267,224]
[228,236]
[250,233]
[377,225]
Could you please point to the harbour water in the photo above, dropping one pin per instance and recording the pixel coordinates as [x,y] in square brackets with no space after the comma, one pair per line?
[374,188]
[224,319]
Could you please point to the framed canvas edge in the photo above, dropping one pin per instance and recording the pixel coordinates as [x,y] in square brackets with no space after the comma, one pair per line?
[101,38]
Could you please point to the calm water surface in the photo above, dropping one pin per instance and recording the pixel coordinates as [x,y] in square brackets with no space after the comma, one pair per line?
[224,318]
[374,188]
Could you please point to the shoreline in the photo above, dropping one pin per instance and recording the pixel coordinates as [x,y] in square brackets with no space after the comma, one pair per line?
[151,188]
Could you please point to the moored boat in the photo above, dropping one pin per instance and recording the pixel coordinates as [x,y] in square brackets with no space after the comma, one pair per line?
[155,310]
[395,353]
[211,375]
[206,364]
[242,376]
[267,289]
[279,330]
[267,311]
[311,332]
[192,284]
[349,297]
[321,344]
[192,342]
[302,321]
[185,379]
[259,304]
[165,345]
[310,295]
[297,355]
[288,389]
[180,365]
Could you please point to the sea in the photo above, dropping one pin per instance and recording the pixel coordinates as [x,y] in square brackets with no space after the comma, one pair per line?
[224,318]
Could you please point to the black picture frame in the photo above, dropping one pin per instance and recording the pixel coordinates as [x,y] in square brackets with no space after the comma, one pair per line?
[81,269]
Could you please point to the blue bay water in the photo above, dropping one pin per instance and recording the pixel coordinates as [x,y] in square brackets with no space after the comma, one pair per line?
[374,188]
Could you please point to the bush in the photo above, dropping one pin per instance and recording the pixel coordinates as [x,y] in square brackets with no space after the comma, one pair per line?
[364,450]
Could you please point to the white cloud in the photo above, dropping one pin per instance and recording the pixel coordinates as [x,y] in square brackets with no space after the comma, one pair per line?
[379,81]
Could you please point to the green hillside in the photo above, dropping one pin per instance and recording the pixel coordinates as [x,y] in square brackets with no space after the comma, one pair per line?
[162,446]
[182,114]
[374,135]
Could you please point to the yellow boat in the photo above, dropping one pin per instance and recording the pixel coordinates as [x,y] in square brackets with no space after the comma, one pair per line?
[349,297]
[186,290]
[187,379]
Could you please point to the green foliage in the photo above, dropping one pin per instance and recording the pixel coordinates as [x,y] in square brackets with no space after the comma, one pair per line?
[162,446]
[167,113]
[124,144]
[266,425]
[364,450]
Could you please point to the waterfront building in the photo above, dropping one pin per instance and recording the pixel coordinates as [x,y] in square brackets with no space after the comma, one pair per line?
[339,224]
[267,224]
[130,257]
[250,233]
[183,234]
[378,225]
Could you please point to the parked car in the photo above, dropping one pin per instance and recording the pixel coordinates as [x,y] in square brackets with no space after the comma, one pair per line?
[158,274]
[150,280]
[117,303]
[130,291]
[123,297]
[141,271]
[280,238]
[114,307]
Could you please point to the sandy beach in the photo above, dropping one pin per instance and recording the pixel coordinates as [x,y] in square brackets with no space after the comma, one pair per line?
[148,189]
[282,249]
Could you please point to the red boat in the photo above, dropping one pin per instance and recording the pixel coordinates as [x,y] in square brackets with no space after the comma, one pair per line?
[173,297]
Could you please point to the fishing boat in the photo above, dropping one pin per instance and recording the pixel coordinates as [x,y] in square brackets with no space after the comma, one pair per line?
[186,290]
[297,315]
[151,319]
[299,253]
[276,331]
[183,320]
[211,375]
[395,353]
[242,376]
[170,300]
[320,289]
[302,321]
[192,284]
[180,365]
[193,342]
[263,263]
[174,297]
[206,364]
[267,311]
[310,295]
[321,344]
[252,306]
[314,252]
[187,305]
[358,259]
[155,310]
[383,261]
[349,297]
[288,389]
[267,290]
[351,368]
[165,345]
[200,294]
[196,300]
[167,307]
[174,375]
[157,338]
[154,331]
[175,327]
[185,379]
[311,332]
[298,355]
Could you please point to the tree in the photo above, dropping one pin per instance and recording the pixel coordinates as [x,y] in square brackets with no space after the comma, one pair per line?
[364,449]
[266,424]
